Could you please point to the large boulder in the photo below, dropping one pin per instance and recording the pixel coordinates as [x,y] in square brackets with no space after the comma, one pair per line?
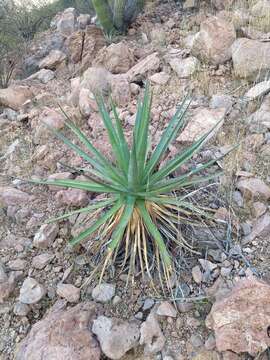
[67,22]
[251,59]
[201,122]
[62,335]
[260,18]
[150,63]
[117,58]
[53,60]
[213,42]
[15,96]
[82,46]
[97,80]
[116,336]
[241,319]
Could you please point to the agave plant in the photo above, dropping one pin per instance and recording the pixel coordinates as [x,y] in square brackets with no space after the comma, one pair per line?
[139,218]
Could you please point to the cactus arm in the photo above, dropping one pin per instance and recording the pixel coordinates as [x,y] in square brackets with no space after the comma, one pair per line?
[118,14]
[104,15]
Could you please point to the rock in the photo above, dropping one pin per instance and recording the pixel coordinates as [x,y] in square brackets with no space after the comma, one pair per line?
[82,46]
[196,340]
[139,71]
[210,342]
[83,20]
[116,58]
[43,76]
[214,40]
[158,36]
[21,309]
[148,304]
[229,355]
[222,4]
[151,335]
[190,4]
[120,90]
[185,67]
[241,319]
[48,119]
[206,355]
[160,78]
[45,236]
[15,96]
[116,336]
[7,285]
[62,335]
[72,197]
[201,122]
[166,309]
[31,291]
[103,292]
[221,102]
[261,229]
[40,261]
[258,90]
[69,292]
[197,274]
[259,209]
[261,15]
[67,22]
[253,188]
[87,103]
[10,196]
[53,60]
[97,80]
[251,59]
[18,264]
[207,265]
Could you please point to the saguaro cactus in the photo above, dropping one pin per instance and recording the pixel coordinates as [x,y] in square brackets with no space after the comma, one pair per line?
[115,15]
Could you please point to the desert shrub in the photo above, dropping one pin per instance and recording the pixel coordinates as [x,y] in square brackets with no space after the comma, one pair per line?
[138,222]
[116,15]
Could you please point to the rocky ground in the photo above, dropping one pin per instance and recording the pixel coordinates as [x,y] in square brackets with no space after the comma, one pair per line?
[220,306]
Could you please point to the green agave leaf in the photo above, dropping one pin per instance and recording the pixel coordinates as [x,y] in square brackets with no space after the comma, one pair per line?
[121,227]
[133,169]
[83,235]
[121,136]
[100,161]
[95,206]
[113,136]
[76,184]
[153,231]
[183,183]
[142,131]
[176,123]
[181,159]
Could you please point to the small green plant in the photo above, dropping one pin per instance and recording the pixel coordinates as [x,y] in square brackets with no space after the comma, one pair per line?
[115,15]
[139,218]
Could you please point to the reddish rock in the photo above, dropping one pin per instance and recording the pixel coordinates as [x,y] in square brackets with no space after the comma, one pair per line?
[62,335]
[117,58]
[241,319]
[69,292]
[214,40]
[10,196]
[72,197]
[253,188]
[139,71]
[120,89]
[15,96]
[261,229]
[45,236]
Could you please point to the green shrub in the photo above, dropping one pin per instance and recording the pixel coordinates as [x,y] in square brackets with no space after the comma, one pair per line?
[140,214]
